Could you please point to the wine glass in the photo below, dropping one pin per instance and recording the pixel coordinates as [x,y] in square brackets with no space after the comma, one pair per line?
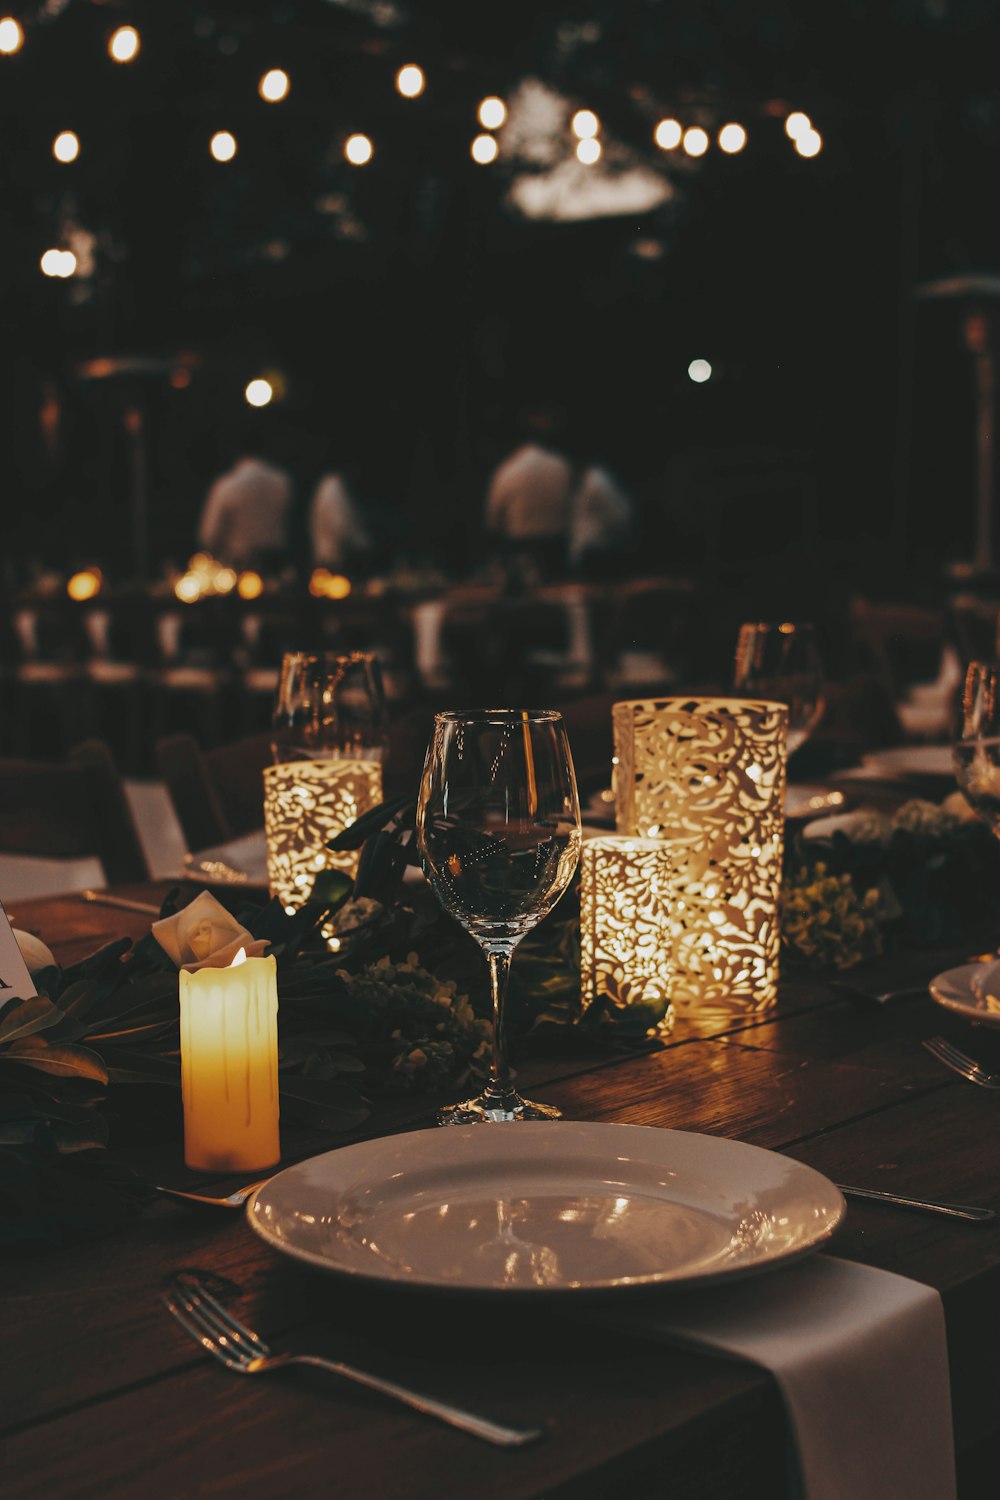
[498,827]
[329,706]
[782,662]
[976,755]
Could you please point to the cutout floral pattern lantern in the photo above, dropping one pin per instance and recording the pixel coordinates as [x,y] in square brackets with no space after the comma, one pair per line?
[707,777]
[625,927]
[306,803]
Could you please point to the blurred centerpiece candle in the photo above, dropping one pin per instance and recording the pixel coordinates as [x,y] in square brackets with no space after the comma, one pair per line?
[307,803]
[626,911]
[706,776]
[229,1065]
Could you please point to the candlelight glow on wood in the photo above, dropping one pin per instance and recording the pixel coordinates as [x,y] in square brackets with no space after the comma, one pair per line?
[626,933]
[229,1065]
[306,803]
[707,777]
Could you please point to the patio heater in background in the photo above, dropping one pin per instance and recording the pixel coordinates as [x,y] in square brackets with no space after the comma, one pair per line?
[977,297]
[132,378]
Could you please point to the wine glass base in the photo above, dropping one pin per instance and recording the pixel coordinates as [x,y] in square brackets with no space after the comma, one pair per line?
[496,1109]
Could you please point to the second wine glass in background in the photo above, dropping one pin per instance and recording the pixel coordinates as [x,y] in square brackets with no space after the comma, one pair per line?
[781,661]
[976,754]
[329,707]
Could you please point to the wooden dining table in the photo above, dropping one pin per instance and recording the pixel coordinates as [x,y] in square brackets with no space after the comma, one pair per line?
[102,1394]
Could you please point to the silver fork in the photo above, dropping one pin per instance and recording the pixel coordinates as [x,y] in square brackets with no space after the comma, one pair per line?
[237,1347]
[232,1200]
[961,1063]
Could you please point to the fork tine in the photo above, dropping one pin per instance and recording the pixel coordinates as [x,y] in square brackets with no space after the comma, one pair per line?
[212,1318]
[948,1049]
[230,1324]
[200,1335]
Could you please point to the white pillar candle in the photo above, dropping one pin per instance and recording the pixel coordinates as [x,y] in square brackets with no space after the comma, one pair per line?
[229,1066]
[307,803]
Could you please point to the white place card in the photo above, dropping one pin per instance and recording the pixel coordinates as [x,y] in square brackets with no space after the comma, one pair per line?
[15,981]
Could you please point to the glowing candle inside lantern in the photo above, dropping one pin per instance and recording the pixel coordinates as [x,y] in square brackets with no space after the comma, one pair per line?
[307,803]
[229,1065]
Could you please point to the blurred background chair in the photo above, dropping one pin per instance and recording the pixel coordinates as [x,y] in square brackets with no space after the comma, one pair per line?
[73,811]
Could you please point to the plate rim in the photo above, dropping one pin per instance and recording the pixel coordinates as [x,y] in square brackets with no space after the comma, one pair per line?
[970,1012]
[636,1284]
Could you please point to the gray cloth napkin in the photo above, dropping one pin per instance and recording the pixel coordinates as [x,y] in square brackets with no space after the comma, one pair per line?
[861,1361]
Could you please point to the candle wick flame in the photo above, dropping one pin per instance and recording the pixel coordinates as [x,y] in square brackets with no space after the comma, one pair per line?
[240,958]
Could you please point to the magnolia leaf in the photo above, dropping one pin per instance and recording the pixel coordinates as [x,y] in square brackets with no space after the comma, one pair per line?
[86,1136]
[65,1061]
[130,1035]
[77,998]
[26,1017]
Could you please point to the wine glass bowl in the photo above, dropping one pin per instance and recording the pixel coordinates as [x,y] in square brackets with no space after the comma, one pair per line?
[781,662]
[498,828]
[976,754]
[330,705]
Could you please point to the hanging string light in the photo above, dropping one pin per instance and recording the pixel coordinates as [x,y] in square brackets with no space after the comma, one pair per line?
[667,135]
[695,141]
[796,124]
[259,392]
[66,146]
[492,113]
[124,44]
[223,145]
[732,138]
[484,149]
[59,263]
[358,149]
[588,151]
[410,81]
[809,142]
[585,124]
[274,86]
[11,36]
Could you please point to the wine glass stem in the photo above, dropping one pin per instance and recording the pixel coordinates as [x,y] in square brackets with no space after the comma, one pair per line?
[499,962]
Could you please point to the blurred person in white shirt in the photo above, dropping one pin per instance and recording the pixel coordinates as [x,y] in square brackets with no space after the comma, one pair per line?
[244,522]
[600,527]
[337,533]
[528,500]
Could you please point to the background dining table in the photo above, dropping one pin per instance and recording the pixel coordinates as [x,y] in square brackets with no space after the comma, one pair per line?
[102,1395]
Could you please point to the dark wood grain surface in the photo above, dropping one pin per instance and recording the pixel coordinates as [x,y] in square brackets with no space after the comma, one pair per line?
[101,1395]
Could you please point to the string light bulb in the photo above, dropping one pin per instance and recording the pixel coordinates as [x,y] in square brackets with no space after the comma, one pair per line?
[699,370]
[732,138]
[59,263]
[410,81]
[585,124]
[358,149]
[796,124]
[588,151]
[492,113]
[809,143]
[274,86]
[11,36]
[667,135]
[124,44]
[223,145]
[66,146]
[259,392]
[484,150]
[695,141]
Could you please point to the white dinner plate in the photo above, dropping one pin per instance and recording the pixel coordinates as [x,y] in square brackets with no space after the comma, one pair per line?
[547,1207]
[911,760]
[971,992]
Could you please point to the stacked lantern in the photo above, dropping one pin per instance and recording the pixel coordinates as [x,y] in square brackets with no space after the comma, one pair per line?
[703,780]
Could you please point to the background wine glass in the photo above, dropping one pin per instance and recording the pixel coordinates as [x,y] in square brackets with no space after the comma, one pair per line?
[498,825]
[781,662]
[329,706]
[976,754]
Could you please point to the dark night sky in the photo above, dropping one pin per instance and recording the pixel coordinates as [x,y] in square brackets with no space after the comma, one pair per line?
[412,321]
